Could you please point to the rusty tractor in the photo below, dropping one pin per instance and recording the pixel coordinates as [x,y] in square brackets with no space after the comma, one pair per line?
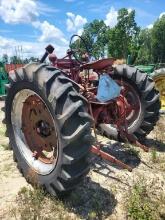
[50,110]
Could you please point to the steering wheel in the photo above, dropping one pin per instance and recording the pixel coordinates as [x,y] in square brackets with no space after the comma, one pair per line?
[79,49]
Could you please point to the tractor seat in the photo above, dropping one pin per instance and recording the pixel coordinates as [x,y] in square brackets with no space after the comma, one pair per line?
[98,64]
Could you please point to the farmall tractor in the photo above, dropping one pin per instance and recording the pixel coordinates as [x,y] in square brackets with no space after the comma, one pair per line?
[50,111]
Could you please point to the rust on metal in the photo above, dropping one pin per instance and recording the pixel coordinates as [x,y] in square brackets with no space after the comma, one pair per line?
[106,156]
[39,131]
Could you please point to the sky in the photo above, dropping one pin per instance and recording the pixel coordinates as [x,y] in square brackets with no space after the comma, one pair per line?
[28,26]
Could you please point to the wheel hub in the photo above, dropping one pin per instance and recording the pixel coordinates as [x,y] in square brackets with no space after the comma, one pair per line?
[130,103]
[43,128]
[39,130]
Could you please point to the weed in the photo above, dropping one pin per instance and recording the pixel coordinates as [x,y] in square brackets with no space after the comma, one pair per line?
[35,204]
[2,131]
[154,156]
[134,152]
[92,215]
[5,146]
[7,167]
[29,204]
[140,206]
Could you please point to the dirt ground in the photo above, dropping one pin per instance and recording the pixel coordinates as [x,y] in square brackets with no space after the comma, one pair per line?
[106,191]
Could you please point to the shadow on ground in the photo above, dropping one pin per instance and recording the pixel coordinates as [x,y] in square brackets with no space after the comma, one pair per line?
[126,154]
[156,144]
[91,200]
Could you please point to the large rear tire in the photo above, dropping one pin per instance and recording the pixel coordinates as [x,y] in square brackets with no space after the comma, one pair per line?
[43,107]
[140,92]
[159,79]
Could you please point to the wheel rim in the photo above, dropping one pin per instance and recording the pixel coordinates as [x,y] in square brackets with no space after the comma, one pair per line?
[160,86]
[132,107]
[133,104]
[35,131]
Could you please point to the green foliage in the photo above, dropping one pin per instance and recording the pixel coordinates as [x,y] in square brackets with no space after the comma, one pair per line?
[15,60]
[158,40]
[140,206]
[5,58]
[151,43]
[95,33]
[5,146]
[116,42]
[33,204]
[2,130]
[123,38]
[145,48]
[29,202]
[154,155]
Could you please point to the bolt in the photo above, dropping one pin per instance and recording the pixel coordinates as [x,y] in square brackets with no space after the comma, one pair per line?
[35,154]
[38,130]
[52,159]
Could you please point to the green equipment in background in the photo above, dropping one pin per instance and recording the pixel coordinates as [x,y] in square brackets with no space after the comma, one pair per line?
[147,68]
[157,72]
[3,79]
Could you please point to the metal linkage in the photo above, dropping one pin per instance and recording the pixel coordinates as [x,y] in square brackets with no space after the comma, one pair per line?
[123,133]
[97,149]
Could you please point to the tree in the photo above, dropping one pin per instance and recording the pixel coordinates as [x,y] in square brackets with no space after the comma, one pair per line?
[158,40]
[123,38]
[33,59]
[96,38]
[15,60]
[145,47]
[5,58]
[96,35]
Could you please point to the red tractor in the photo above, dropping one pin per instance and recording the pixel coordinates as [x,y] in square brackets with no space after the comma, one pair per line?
[50,110]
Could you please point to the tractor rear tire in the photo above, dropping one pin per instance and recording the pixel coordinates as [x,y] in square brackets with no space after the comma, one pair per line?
[141,88]
[40,91]
[159,78]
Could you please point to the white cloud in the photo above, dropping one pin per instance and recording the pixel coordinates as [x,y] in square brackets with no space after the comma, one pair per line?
[18,11]
[28,11]
[74,22]
[49,32]
[5,43]
[111,17]
[150,26]
[80,31]
[130,10]
[29,49]
[160,16]
[23,11]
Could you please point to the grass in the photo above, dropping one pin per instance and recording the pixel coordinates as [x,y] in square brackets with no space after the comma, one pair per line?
[160,130]
[2,130]
[91,201]
[158,160]
[86,202]
[154,156]
[5,146]
[140,206]
[34,204]
[134,152]
[7,167]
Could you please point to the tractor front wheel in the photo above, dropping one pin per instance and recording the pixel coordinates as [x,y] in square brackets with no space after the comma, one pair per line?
[48,127]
